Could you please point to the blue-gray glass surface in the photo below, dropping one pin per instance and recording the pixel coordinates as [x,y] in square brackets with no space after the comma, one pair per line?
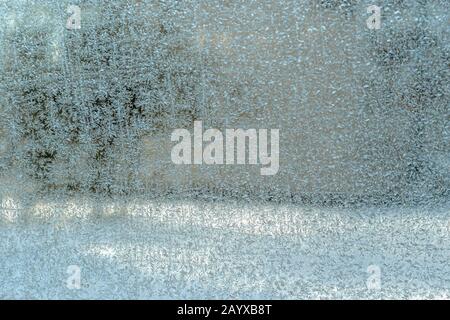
[224,149]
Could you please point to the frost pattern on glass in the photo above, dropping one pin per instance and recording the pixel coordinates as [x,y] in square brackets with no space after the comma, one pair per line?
[86,114]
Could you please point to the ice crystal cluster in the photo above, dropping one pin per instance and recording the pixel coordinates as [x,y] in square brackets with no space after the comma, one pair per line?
[89,98]
[363,112]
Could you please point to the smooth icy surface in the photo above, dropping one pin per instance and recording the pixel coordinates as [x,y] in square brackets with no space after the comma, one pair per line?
[224,250]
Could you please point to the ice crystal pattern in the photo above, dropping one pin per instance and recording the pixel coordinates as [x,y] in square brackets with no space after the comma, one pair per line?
[358,109]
